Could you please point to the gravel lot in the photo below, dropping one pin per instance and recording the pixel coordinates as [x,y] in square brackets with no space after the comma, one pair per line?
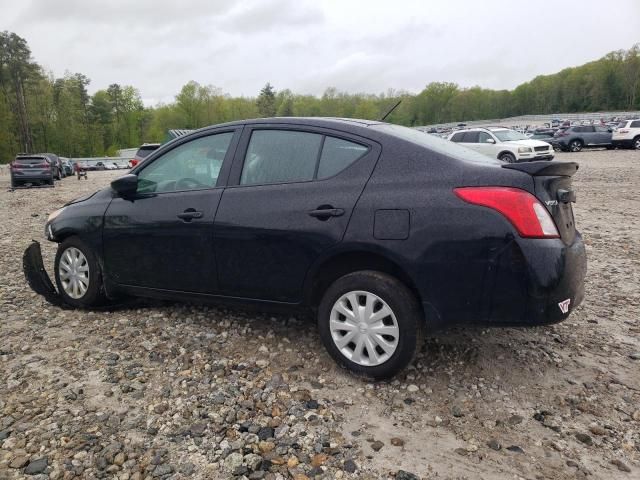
[159,390]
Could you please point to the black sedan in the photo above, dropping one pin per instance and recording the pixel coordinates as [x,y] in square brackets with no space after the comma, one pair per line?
[384,232]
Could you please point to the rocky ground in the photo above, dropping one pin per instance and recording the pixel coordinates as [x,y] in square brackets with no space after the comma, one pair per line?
[158,390]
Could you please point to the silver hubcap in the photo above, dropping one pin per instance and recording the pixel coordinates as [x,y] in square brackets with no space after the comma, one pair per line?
[364,328]
[637,145]
[74,272]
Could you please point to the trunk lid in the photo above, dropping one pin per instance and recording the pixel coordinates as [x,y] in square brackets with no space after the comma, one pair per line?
[553,187]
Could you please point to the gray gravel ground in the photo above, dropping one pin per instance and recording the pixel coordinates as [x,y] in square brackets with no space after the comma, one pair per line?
[185,391]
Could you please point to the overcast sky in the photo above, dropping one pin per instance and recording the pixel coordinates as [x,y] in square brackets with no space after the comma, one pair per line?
[308,45]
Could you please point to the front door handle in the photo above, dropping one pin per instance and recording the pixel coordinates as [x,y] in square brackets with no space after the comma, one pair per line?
[325,213]
[189,214]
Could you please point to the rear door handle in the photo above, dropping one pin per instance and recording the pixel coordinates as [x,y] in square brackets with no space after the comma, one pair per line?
[189,214]
[326,212]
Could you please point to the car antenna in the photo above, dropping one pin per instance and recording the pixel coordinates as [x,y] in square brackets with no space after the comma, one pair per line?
[390,110]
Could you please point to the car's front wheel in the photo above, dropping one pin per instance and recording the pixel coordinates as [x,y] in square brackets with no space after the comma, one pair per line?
[371,323]
[508,157]
[77,274]
[636,143]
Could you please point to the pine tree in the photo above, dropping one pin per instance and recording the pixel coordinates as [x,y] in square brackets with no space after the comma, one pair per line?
[266,101]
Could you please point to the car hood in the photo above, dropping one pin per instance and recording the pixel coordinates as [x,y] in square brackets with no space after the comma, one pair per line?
[528,143]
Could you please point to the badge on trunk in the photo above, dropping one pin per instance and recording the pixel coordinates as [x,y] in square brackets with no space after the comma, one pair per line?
[564,305]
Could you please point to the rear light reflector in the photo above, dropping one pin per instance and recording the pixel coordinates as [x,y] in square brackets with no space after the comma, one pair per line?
[525,212]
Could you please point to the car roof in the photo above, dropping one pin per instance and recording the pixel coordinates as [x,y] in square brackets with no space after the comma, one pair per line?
[335,122]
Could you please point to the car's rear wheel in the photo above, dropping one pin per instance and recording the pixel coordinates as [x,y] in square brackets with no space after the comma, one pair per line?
[78,275]
[507,157]
[370,323]
[636,143]
[575,145]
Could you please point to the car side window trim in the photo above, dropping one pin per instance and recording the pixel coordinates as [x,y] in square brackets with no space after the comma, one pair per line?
[224,169]
[243,146]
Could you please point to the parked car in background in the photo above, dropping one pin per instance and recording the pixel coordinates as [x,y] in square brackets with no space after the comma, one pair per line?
[627,134]
[67,166]
[546,137]
[142,153]
[575,138]
[33,169]
[382,231]
[56,165]
[504,144]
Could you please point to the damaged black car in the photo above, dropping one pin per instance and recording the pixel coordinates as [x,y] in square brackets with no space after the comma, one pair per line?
[383,232]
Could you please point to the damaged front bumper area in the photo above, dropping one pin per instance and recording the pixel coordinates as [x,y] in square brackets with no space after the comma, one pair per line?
[37,276]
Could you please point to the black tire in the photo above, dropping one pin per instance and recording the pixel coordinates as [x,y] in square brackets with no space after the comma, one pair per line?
[94,294]
[575,146]
[50,181]
[404,306]
[507,157]
[636,143]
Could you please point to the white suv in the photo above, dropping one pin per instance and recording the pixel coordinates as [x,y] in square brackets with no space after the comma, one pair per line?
[503,144]
[627,134]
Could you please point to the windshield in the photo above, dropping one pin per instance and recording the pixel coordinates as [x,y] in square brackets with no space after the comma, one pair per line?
[509,135]
[434,143]
[622,124]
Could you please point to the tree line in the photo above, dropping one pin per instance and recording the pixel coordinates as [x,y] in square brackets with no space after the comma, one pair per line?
[41,113]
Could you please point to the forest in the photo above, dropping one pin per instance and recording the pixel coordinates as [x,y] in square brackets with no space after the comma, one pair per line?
[42,113]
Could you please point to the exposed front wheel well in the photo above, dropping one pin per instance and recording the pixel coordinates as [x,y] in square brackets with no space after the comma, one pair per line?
[350,262]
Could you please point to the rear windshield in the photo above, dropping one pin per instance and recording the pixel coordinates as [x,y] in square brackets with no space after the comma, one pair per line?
[143,152]
[436,144]
[30,160]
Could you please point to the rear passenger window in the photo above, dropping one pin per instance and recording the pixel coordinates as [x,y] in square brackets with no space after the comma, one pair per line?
[471,137]
[337,155]
[279,156]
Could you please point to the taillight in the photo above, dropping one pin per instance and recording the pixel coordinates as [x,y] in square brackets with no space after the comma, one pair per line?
[525,212]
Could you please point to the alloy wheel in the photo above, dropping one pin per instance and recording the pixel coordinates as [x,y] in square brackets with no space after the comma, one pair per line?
[73,270]
[636,144]
[364,328]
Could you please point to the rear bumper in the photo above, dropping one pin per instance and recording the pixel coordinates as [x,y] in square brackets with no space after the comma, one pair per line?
[537,282]
[32,177]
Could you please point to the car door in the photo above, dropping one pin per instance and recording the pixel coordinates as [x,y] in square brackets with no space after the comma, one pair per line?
[162,237]
[589,135]
[485,145]
[603,135]
[470,140]
[290,197]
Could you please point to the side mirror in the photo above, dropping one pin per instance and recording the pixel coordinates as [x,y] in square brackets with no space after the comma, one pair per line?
[610,130]
[490,140]
[126,185]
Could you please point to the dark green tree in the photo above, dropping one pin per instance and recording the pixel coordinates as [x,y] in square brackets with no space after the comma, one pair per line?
[266,101]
